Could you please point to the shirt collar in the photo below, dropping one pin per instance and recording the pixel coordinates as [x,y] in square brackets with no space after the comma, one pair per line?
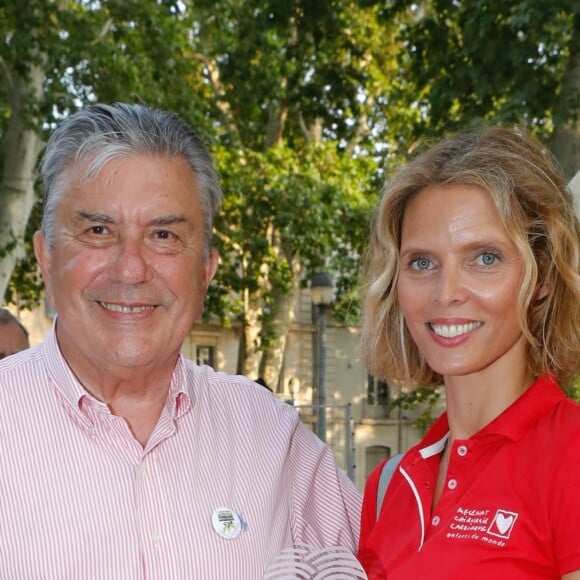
[179,399]
[436,438]
[61,374]
[515,421]
[543,395]
[180,396]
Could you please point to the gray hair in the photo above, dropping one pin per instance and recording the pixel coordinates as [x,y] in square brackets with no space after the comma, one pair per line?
[6,317]
[106,132]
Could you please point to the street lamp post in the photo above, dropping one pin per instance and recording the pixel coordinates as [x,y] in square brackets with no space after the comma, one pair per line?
[322,290]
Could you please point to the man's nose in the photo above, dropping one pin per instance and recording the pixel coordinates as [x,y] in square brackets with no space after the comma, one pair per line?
[131,264]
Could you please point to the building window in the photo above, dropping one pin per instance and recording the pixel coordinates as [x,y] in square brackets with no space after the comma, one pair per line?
[373,456]
[378,392]
[205,355]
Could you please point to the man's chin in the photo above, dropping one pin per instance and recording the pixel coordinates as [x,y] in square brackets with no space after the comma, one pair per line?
[133,353]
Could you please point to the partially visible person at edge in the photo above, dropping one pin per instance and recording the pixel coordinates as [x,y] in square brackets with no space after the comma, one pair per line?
[474,284]
[119,457]
[13,334]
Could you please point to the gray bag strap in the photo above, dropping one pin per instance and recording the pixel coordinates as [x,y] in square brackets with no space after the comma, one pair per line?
[386,474]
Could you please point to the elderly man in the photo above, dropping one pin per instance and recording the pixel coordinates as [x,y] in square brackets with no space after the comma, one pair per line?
[13,334]
[119,458]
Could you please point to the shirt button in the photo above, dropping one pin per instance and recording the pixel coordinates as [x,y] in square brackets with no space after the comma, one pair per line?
[144,467]
[435,521]
[462,450]
[452,484]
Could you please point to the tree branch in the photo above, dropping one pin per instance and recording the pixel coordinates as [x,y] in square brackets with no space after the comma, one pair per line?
[219,91]
[5,72]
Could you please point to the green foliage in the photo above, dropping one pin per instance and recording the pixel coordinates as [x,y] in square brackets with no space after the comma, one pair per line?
[422,401]
[222,65]
[25,288]
[573,389]
[306,105]
[309,203]
[475,61]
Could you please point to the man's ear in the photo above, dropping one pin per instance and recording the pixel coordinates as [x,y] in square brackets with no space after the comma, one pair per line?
[211,266]
[43,258]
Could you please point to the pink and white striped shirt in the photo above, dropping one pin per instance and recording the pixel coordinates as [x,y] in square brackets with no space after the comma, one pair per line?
[80,498]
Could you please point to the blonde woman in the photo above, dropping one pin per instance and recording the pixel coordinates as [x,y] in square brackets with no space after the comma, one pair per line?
[474,284]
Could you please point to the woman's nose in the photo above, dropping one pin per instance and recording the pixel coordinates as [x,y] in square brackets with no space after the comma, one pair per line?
[450,286]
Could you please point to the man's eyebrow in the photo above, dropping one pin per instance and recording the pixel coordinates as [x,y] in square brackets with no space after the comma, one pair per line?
[95,217]
[169,220]
[104,218]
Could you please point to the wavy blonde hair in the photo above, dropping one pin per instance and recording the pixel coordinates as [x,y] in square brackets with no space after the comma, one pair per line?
[537,211]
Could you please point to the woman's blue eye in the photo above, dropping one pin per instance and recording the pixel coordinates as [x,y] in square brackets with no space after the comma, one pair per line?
[487,259]
[421,264]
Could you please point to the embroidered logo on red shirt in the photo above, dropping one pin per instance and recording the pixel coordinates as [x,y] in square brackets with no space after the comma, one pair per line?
[478,525]
[502,524]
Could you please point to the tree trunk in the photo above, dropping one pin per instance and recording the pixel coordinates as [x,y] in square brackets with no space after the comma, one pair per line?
[566,138]
[272,362]
[22,145]
[272,358]
[276,120]
[249,353]
[574,186]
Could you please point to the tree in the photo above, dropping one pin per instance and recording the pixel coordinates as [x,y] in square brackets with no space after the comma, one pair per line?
[475,61]
[290,129]
[565,141]
[306,104]
[22,63]
[275,87]
[55,56]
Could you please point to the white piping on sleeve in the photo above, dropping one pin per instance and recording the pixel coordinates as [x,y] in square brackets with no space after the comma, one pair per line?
[419,506]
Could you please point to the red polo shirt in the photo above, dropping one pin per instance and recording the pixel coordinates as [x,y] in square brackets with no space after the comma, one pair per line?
[510,507]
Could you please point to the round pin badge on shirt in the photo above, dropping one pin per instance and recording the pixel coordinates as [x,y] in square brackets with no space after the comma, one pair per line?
[226,523]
